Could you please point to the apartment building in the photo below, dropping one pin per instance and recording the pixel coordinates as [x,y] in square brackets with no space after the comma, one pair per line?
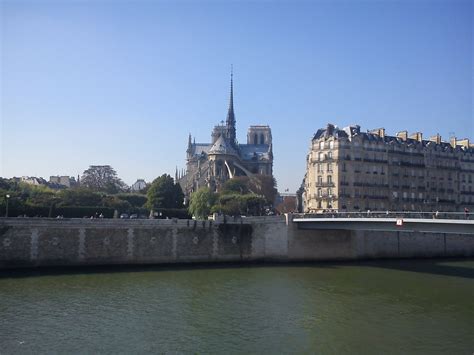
[349,170]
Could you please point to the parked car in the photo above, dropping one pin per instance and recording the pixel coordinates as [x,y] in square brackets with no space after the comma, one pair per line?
[133,216]
[123,216]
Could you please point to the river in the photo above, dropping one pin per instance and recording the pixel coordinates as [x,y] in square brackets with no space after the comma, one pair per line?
[400,306]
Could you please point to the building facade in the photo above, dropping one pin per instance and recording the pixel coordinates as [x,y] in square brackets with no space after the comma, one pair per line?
[64,181]
[211,164]
[349,170]
[138,185]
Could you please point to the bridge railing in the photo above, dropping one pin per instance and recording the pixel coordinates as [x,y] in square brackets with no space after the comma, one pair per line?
[388,214]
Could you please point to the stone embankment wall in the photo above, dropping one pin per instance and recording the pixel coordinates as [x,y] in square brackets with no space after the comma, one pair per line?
[46,242]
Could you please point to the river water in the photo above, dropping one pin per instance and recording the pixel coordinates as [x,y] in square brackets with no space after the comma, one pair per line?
[403,306]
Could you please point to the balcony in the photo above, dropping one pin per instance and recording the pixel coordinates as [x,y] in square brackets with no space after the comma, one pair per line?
[325,184]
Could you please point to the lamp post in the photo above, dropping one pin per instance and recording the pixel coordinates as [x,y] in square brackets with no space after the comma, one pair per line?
[7,198]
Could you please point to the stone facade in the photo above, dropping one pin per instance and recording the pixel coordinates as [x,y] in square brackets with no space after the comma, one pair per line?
[212,164]
[349,170]
[38,242]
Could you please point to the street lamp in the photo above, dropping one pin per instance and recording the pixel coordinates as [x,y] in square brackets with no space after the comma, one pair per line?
[7,198]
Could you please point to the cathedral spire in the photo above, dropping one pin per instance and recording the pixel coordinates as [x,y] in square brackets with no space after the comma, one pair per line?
[230,121]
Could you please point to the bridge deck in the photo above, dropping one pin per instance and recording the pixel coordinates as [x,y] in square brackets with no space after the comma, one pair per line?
[389,224]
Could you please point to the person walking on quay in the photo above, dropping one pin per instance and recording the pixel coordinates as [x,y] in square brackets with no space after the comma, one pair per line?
[466,212]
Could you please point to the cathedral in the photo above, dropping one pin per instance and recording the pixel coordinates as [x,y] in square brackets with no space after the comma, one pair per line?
[211,164]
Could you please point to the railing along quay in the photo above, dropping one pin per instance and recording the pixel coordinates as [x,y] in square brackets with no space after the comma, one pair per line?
[389,214]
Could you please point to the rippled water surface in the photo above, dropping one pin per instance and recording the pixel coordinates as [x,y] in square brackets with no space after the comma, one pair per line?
[376,307]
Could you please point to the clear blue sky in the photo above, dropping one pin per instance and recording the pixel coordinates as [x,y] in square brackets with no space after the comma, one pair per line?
[124,82]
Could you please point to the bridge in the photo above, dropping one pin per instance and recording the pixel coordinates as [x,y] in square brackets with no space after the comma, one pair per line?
[399,223]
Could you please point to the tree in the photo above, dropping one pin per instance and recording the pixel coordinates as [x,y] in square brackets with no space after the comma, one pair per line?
[201,202]
[79,197]
[102,178]
[238,184]
[135,200]
[164,193]
[264,185]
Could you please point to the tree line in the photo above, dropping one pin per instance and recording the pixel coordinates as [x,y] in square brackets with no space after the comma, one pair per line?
[102,191]
[99,190]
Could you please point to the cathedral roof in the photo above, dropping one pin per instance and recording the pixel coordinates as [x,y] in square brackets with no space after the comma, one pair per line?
[252,151]
[222,146]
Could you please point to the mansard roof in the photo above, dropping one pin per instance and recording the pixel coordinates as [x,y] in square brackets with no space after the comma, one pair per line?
[351,132]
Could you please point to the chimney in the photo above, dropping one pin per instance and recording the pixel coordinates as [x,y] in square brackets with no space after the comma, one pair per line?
[330,129]
[403,135]
[436,139]
[453,142]
[379,132]
[418,136]
[464,142]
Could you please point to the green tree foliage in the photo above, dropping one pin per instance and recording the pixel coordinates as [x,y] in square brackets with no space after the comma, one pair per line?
[265,186]
[79,197]
[238,184]
[164,193]
[235,204]
[135,200]
[40,195]
[112,201]
[201,203]
[102,178]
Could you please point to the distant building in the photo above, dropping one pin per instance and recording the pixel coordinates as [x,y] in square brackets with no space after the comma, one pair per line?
[33,180]
[212,164]
[65,181]
[138,185]
[349,170]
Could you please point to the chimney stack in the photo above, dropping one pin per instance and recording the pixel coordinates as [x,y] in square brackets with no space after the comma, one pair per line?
[453,142]
[403,135]
[464,142]
[418,136]
[379,132]
[436,139]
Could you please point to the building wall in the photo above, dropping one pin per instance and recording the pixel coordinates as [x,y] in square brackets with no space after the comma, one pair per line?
[31,242]
[372,171]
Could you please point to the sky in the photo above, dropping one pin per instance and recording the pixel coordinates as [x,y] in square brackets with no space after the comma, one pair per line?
[123,83]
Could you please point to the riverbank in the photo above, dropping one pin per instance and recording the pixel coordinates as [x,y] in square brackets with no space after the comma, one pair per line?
[82,242]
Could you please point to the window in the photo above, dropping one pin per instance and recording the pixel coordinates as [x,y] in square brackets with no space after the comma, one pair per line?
[395,194]
[329,179]
[321,145]
[320,156]
[331,144]
[319,168]
[329,192]
[320,179]
[329,167]
[320,192]
[329,155]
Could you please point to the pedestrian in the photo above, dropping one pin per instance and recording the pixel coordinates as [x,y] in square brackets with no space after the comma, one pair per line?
[437,214]
[466,212]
